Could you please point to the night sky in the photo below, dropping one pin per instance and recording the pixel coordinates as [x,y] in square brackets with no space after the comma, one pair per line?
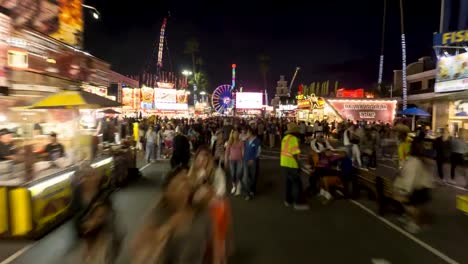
[333,39]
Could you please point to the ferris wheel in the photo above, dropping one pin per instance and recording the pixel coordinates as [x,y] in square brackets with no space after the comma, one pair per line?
[221,99]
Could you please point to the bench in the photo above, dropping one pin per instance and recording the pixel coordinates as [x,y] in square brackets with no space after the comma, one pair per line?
[380,186]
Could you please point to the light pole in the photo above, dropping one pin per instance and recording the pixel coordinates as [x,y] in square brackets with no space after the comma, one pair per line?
[96,13]
[187,73]
[203,93]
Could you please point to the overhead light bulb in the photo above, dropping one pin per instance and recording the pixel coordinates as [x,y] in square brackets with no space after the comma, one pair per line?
[95,15]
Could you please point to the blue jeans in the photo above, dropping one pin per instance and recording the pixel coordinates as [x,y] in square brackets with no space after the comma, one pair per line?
[150,151]
[158,153]
[236,170]
[249,179]
[293,185]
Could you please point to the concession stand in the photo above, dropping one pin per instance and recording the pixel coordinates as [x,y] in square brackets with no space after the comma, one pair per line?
[42,146]
[381,111]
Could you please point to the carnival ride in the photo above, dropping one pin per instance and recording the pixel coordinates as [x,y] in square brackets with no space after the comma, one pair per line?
[222,98]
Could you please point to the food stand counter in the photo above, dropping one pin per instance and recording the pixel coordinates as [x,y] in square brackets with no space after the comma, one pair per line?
[31,209]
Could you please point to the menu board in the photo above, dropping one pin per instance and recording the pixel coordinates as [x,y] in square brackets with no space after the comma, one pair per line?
[136,98]
[147,95]
[182,97]
[127,97]
[165,95]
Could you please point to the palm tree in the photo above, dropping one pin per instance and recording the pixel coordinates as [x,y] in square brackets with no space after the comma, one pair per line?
[200,80]
[403,55]
[192,46]
[382,45]
[264,63]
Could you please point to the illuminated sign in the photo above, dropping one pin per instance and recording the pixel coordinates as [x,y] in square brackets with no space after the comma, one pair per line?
[303,103]
[136,98]
[165,95]
[127,97]
[182,97]
[171,106]
[348,93]
[18,59]
[287,107]
[249,100]
[452,73]
[147,95]
[451,37]
[4,33]
[310,101]
[369,110]
[61,20]
[165,85]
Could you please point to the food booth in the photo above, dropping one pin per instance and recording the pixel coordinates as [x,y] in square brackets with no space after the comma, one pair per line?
[37,179]
[381,111]
[311,108]
[35,192]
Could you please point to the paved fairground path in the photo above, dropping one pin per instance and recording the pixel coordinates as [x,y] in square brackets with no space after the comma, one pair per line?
[266,232]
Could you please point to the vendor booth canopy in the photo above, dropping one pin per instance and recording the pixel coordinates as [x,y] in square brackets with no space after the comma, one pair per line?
[414,111]
[110,111]
[74,100]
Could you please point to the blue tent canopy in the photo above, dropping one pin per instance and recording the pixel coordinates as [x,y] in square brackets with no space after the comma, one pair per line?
[414,111]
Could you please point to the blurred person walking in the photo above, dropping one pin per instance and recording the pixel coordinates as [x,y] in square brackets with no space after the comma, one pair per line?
[234,154]
[210,192]
[181,154]
[414,185]
[252,150]
[272,132]
[457,157]
[95,220]
[290,164]
[151,139]
[219,149]
[174,231]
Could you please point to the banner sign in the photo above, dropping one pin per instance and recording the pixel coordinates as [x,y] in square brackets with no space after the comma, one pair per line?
[365,110]
[310,102]
[249,100]
[59,19]
[4,35]
[165,95]
[449,38]
[452,73]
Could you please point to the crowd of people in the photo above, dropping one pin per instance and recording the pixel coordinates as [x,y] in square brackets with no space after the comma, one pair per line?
[212,156]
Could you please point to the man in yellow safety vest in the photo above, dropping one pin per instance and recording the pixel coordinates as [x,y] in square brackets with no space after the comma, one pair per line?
[289,161]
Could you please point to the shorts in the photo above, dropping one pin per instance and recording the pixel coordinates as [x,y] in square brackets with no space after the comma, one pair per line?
[168,143]
[419,197]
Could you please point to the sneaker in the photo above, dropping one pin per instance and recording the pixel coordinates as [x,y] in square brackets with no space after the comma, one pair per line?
[287,204]
[412,227]
[301,207]
[248,198]
[238,189]
[372,168]
[233,190]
